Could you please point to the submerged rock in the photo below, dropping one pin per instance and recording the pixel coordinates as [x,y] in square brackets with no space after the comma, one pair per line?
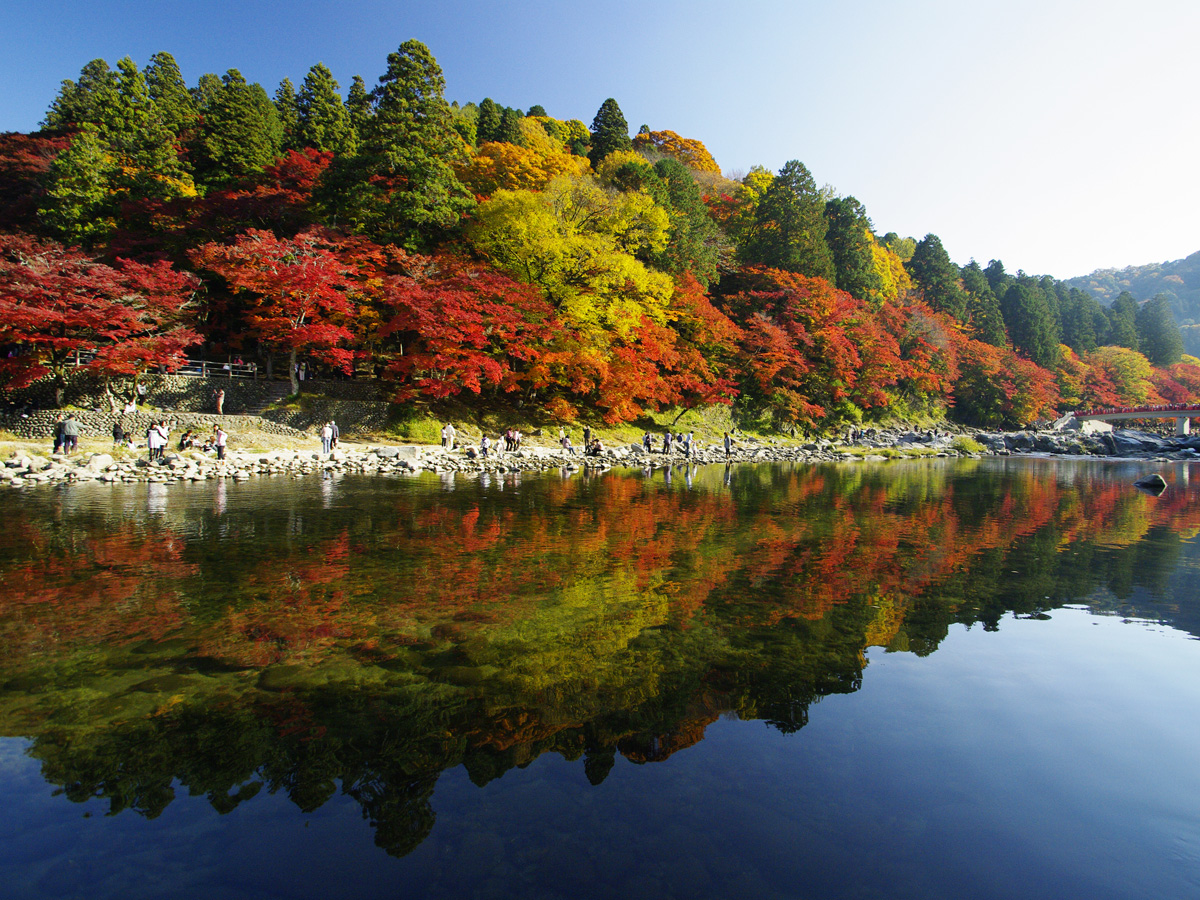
[1152,484]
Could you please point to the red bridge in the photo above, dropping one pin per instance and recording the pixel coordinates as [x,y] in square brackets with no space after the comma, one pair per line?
[1182,415]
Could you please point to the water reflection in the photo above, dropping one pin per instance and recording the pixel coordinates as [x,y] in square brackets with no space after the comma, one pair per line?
[371,634]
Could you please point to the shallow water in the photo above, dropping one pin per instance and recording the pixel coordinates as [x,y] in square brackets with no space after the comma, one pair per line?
[920,679]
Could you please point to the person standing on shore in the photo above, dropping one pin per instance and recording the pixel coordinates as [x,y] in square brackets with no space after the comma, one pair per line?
[326,438]
[220,396]
[728,445]
[336,434]
[70,432]
[58,433]
[219,439]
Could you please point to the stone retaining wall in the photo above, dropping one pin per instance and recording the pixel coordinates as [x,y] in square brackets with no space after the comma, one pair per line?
[39,425]
[187,393]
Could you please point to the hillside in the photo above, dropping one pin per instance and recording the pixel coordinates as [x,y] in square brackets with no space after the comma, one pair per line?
[1179,280]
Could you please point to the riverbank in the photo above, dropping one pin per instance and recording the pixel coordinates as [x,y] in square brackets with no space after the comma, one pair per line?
[263,453]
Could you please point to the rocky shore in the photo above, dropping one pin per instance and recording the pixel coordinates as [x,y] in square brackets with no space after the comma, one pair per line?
[25,469]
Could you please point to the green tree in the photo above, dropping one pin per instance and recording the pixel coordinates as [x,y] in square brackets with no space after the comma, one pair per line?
[937,277]
[76,207]
[164,81]
[241,132]
[1079,318]
[1030,322]
[536,110]
[788,230]
[324,121]
[288,108]
[848,234]
[609,132]
[488,125]
[80,102]
[1158,332]
[1122,318]
[358,107]
[510,127]
[695,243]
[983,309]
[997,278]
[401,185]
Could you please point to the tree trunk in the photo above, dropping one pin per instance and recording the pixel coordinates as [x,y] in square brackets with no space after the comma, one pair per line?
[292,372]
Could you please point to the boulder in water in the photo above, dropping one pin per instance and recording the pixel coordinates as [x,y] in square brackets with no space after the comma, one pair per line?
[1152,484]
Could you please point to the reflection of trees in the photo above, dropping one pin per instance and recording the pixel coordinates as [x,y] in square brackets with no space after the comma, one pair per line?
[368,649]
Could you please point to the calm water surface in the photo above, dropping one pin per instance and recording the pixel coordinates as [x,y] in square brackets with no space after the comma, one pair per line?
[930,679]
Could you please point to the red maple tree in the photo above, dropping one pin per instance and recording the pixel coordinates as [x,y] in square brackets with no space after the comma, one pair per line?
[59,306]
[295,292]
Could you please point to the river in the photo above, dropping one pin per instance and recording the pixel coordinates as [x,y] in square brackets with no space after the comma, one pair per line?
[920,679]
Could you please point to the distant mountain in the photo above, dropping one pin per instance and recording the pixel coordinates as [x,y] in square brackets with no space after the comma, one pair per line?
[1179,280]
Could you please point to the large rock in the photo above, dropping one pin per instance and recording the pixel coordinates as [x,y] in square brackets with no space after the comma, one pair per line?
[1128,441]
[99,462]
[1154,483]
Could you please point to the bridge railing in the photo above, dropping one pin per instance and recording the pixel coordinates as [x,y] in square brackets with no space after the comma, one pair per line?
[1135,410]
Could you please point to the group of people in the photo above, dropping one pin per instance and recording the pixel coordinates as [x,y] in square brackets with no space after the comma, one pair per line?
[158,435]
[66,434]
[685,442]
[329,436]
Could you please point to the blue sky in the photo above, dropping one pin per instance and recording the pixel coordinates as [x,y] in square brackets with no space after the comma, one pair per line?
[1060,136]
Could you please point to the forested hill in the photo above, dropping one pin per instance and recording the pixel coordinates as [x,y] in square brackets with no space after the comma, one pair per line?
[502,258]
[1178,280]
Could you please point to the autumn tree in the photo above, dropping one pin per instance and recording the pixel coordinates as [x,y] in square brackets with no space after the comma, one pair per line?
[295,291]
[449,328]
[687,151]
[580,243]
[57,303]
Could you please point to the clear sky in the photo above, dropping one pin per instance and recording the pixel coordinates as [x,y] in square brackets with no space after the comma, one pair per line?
[1059,136]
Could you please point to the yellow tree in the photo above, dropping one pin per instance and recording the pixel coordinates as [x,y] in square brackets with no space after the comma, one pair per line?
[688,151]
[580,244]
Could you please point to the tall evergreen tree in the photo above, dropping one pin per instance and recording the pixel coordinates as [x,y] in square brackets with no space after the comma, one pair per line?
[324,122]
[76,206]
[983,309]
[1079,321]
[359,107]
[848,236]
[169,92]
[610,132]
[788,231]
[1030,322]
[488,126]
[695,243]
[997,278]
[401,186]
[81,102]
[1122,319]
[937,277]
[1158,332]
[241,131]
[288,108]
[510,127]
[536,110]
